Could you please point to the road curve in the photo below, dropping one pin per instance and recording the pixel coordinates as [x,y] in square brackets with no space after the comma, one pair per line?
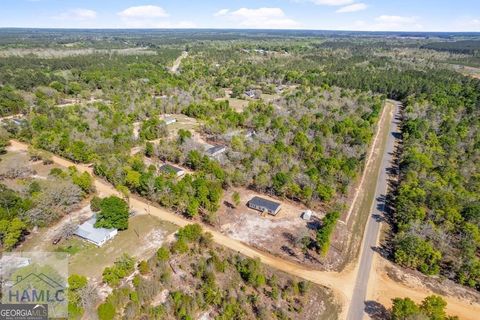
[370,239]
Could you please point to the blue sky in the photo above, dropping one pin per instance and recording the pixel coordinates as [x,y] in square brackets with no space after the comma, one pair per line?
[387,15]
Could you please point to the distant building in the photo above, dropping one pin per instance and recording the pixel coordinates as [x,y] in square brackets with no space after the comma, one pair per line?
[264,205]
[18,122]
[250,133]
[167,168]
[216,150]
[97,236]
[307,215]
[169,120]
[252,94]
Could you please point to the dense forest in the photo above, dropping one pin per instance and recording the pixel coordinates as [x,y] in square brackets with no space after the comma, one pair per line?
[303,134]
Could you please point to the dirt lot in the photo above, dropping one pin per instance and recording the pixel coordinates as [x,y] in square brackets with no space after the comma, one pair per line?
[183,122]
[390,281]
[279,235]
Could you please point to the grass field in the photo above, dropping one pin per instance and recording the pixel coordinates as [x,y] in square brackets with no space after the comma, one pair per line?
[143,237]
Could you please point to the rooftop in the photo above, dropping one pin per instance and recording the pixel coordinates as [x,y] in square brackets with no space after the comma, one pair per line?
[88,231]
[216,149]
[265,203]
[168,168]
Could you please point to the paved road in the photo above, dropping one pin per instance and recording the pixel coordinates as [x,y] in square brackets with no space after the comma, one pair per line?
[357,305]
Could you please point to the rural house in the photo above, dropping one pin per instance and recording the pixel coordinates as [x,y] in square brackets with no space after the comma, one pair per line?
[216,150]
[167,168]
[97,236]
[264,205]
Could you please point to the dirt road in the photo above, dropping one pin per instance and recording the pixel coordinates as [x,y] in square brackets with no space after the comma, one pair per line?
[339,282]
[177,62]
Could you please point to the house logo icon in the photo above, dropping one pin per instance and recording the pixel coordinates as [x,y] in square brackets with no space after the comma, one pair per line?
[36,288]
[38,277]
[35,283]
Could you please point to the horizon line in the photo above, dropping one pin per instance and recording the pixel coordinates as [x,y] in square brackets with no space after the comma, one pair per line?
[236,29]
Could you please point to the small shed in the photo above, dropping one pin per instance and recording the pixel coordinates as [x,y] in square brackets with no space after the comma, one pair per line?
[264,205]
[169,120]
[97,236]
[167,168]
[307,215]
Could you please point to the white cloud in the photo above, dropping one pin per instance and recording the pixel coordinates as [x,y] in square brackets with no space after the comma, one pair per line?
[154,24]
[221,12]
[390,23]
[395,19]
[150,16]
[262,18]
[468,24]
[353,8]
[147,11]
[77,14]
[332,2]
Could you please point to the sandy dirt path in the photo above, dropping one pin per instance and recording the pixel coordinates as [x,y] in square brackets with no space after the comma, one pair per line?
[178,61]
[383,289]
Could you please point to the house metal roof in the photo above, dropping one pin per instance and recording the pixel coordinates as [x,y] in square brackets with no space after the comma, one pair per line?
[265,203]
[216,149]
[168,168]
[88,231]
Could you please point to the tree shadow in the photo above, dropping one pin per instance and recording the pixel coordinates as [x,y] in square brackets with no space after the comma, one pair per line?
[314,224]
[290,238]
[288,250]
[375,310]
[228,205]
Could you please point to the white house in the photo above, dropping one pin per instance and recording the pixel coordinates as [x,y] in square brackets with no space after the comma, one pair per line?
[169,120]
[97,236]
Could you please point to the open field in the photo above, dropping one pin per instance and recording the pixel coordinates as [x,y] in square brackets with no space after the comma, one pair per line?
[19,161]
[183,122]
[143,237]
[468,71]
[238,104]
[61,53]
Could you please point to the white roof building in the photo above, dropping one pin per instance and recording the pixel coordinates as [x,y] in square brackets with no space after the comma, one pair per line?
[307,214]
[169,120]
[97,236]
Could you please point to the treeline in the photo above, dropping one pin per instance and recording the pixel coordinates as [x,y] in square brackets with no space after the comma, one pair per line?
[464,46]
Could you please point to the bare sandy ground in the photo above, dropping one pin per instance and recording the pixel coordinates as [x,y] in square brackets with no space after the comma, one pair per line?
[383,289]
[177,62]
